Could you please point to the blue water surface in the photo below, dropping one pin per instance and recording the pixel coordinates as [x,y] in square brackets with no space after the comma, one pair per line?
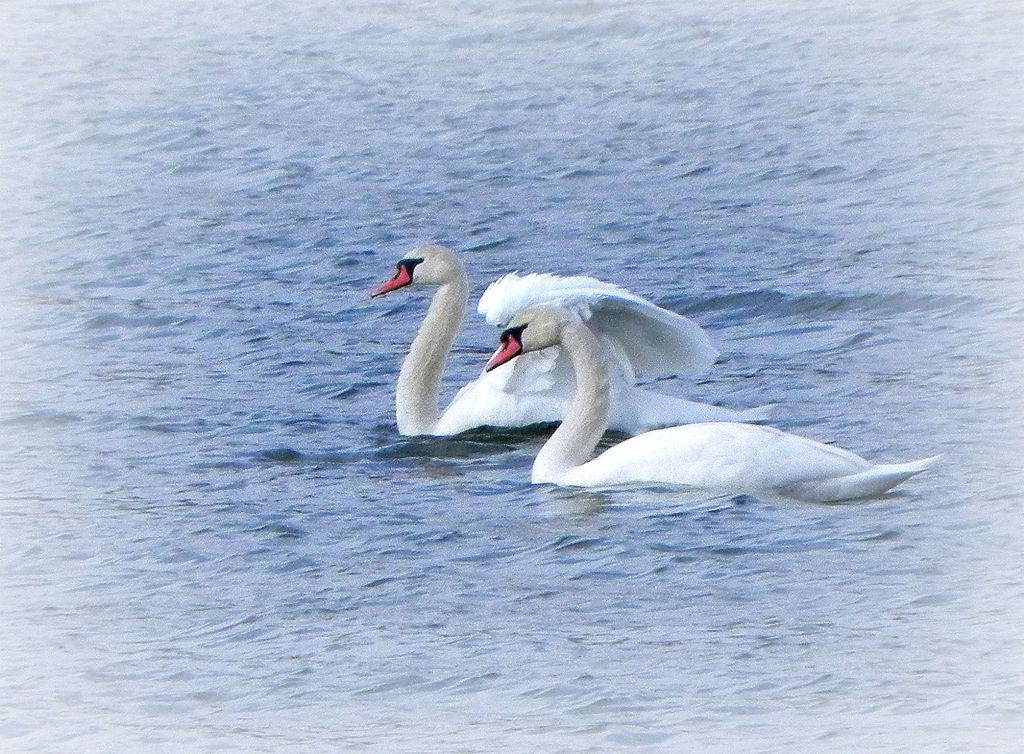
[213,537]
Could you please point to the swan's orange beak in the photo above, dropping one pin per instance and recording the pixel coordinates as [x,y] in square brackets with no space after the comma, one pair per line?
[402,278]
[510,347]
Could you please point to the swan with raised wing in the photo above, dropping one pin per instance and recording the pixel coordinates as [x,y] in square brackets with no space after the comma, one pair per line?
[638,337]
[720,456]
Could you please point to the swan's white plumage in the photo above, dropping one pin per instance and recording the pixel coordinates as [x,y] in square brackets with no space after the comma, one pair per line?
[638,337]
[732,457]
[654,341]
[723,457]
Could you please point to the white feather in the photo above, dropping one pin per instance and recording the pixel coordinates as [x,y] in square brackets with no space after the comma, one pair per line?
[717,456]
[742,458]
[536,388]
[638,337]
[653,340]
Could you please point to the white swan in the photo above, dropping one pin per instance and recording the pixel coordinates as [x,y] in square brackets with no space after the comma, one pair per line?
[719,456]
[639,336]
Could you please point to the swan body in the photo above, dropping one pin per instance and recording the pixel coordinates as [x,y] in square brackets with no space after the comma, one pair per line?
[741,458]
[720,456]
[639,338]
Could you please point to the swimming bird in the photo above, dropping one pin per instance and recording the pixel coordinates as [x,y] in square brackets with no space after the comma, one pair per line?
[638,337]
[725,457]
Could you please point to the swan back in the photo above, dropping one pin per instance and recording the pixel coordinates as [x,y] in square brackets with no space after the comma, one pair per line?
[732,457]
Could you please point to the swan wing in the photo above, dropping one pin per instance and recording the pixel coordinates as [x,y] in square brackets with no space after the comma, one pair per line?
[537,387]
[653,340]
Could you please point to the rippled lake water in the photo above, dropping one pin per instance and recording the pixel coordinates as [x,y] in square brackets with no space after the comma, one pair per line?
[213,537]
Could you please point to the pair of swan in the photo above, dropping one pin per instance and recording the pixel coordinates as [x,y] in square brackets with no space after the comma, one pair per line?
[570,352]
[638,337]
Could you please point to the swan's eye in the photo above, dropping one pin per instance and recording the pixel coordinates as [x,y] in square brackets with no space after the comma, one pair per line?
[513,332]
[408,265]
[511,346]
[401,278]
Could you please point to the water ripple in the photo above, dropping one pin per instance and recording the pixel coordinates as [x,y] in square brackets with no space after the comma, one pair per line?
[214,537]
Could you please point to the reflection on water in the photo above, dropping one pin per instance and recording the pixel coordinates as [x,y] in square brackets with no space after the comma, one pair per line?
[577,502]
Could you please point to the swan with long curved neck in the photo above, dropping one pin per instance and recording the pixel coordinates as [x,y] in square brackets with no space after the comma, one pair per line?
[719,456]
[637,335]
[419,381]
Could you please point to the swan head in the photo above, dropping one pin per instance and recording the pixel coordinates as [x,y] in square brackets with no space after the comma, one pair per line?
[426,265]
[533,329]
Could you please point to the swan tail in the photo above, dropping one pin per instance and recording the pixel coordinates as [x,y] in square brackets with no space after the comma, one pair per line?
[646,410]
[868,483]
[755,415]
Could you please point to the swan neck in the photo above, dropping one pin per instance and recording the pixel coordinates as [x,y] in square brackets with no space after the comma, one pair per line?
[419,382]
[586,419]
